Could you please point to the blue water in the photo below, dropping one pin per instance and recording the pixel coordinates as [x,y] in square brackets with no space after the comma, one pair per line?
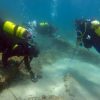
[62,13]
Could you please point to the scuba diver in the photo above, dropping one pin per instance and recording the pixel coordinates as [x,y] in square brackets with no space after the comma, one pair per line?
[43,28]
[88,33]
[16,41]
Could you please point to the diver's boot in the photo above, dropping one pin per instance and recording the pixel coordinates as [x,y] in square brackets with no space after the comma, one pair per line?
[33,76]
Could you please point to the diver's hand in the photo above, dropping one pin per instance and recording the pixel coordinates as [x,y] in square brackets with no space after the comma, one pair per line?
[33,76]
[79,42]
[88,37]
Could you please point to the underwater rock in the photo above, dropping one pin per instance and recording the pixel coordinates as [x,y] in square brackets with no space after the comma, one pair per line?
[68,83]
[7,75]
[55,85]
[74,52]
[43,97]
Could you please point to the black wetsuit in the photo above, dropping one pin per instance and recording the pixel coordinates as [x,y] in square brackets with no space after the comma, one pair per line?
[23,49]
[94,40]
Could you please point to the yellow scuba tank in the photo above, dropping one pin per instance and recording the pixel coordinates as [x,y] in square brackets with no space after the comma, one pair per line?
[42,24]
[97,31]
[96,27]
[12,29]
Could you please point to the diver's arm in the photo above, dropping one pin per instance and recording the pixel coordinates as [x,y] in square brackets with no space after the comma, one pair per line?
[87,43]
[87,40]
[27,63]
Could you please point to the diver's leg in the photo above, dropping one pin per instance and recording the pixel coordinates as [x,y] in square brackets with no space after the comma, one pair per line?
[26,61]
[5,60]
[27,64]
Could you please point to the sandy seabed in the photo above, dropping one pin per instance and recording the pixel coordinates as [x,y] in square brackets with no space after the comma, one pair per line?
[65,76]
